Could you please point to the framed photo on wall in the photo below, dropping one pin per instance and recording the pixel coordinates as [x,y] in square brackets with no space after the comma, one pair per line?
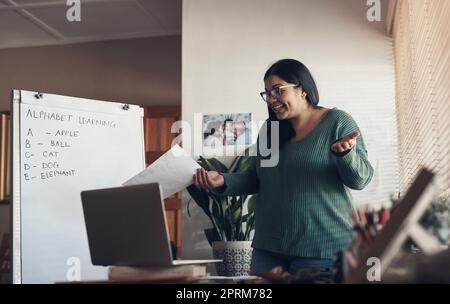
[226,130]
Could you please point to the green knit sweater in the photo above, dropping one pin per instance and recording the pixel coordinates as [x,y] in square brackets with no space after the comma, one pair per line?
[303,205]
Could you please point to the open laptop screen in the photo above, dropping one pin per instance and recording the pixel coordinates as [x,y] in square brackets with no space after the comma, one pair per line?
[126,226]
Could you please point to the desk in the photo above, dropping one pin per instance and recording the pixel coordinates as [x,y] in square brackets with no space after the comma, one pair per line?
[177,279]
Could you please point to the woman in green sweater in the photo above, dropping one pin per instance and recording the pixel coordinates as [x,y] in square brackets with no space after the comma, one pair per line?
[303,205]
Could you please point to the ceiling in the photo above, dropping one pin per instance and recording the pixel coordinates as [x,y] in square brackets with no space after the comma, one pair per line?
[26,23]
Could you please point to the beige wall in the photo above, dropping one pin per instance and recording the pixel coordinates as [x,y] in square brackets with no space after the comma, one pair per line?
[144,71]
[228,45]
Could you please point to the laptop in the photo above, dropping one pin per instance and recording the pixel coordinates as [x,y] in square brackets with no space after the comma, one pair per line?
[127,226]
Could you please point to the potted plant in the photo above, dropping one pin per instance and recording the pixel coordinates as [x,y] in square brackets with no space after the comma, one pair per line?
[232,219]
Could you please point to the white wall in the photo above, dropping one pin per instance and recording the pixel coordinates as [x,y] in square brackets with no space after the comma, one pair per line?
[228,45]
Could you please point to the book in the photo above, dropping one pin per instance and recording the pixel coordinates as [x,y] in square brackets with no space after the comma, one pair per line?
[128,272]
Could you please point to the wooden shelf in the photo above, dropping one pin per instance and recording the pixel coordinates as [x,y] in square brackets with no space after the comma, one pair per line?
[5,163]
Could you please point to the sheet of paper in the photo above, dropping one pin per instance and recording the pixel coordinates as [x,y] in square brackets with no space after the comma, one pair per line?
[173,171]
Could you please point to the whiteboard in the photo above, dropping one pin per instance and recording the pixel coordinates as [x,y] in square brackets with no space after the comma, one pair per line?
[61,146]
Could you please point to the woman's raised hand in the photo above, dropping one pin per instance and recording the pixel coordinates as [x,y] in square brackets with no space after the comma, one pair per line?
[346,143]
[208,179]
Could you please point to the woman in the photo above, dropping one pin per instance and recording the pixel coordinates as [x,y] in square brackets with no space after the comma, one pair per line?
[303,206]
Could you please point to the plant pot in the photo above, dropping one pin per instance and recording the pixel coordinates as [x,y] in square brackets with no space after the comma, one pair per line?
[236,257]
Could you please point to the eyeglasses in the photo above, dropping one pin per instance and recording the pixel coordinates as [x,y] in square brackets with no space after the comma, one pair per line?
[276,91]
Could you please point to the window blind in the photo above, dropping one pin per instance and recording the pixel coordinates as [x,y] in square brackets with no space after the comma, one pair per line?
[421,35]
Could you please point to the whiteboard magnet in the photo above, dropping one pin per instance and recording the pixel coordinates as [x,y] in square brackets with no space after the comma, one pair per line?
[38,95]
[126,107]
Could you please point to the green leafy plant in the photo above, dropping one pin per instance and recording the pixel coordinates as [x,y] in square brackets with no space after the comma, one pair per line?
[437,219]
[227,213]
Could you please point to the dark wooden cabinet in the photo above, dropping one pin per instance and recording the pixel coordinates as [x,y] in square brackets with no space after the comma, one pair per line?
[158,139]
